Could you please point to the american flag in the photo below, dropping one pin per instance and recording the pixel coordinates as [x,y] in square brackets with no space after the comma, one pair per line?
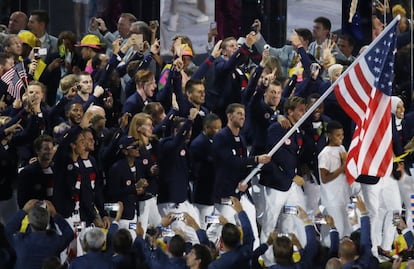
[15,78]
[364,92]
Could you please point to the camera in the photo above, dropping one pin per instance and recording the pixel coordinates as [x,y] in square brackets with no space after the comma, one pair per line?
[266,46]
[111,206]
[290,210]
[212,219]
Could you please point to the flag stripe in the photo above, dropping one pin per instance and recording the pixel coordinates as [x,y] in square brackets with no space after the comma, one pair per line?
[364,94]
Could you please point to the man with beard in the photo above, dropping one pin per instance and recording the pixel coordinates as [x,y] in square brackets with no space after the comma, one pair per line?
[232,165]
[36,180]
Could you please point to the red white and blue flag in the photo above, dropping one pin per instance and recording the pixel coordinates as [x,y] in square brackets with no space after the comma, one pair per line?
[364,93]
[15,78]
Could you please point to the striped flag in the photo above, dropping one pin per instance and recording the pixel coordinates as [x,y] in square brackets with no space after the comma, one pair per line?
[364,92]
[15,78]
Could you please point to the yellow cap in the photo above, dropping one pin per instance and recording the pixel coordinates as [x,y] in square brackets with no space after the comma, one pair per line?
[28,38]
[91,41]
[186,50]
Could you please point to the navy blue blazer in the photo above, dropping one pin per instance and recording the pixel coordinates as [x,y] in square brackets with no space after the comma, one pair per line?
[202,169]
[33,183]
[33,247]
[313,143]
[121,182]
[174,167]
[261,116]
[92,260]
[365,258]
[134,104]
[231,163]
[278,173]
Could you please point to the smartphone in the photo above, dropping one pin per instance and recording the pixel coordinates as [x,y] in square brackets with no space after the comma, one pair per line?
[353,199]
[226,201]
[396,218]
[167,232]
[111,206]
[283,235]
[179,216]
[350,209]
[36,52]
[41,203]
[290,210]
[212,219]
[319,219]
[132,226]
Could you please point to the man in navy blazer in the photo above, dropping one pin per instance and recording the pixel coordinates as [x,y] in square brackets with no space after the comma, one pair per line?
[37,243]
[232,165]
[146,85]
[202,167]
[280,177]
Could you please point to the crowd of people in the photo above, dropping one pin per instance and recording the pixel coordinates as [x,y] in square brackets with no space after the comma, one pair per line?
[115,157]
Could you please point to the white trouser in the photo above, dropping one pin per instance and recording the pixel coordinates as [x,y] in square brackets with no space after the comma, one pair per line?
[383,196]
[406,186]
[149,214]
[227,211]
[258,192]
[203,211]
[312,192]
[185,206]
[275,200]
[340,215]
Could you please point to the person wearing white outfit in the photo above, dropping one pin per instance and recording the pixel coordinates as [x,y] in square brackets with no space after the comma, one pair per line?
[281,180]
[335,190]
[382,197]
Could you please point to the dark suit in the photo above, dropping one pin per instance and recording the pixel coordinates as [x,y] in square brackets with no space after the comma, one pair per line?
[278,174]
[134,104]
[174,167]
[34,182]
[231,163]
[92,260]
[202,169]
[33,247]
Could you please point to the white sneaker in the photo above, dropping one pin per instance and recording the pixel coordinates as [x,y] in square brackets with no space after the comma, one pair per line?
[202,18]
